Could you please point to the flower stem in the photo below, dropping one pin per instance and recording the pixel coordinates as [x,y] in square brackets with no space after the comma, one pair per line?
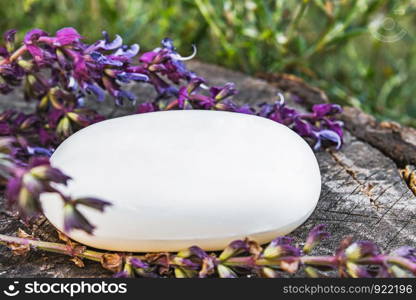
[402,262]
[50,247]
[19,52]
[330,261]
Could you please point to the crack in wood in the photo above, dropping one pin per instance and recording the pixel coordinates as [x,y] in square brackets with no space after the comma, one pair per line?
[398,232]
[389,209]
[365,188]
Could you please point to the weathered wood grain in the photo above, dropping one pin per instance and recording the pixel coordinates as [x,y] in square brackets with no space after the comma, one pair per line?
[362,192]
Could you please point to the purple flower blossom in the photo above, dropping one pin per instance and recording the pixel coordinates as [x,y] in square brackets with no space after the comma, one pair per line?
[105,60]
[25,128]
[326,109]
[281,247]
[406,252]
[327,135]
[137,263]
[63,37]
[165,61]
[32,45]
[74,219]
[319,126]
[222,92]
[361,249]
[65,119]
[27,183]
[106,44]
[96,90]
[9,39]
[233,249]
[92,68]
[357,271]
[317,234]
[92,202]
[127,51]
[146,107]
[121,274]
[229,105]
[185,93]
[39,151]
[66,36]
[193,251]
[226,272]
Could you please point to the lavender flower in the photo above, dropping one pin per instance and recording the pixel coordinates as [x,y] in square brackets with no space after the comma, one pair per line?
[65,36]
[92,202]
[146,107]
[166,62]
[234,248]
[406,252]
[220,93]
[225,272]
[91,67]
[27,183]
[361,249]
[320,126]
[137,263]
[34,48]
[352,259]
[64,120]
[280,247]
[74,219]
[357,271]
[317,234]
[9,40]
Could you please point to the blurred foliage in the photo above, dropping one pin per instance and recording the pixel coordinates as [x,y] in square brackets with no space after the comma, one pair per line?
[361,52]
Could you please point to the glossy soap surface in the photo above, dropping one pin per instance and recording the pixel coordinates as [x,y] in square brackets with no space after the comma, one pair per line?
[182,178]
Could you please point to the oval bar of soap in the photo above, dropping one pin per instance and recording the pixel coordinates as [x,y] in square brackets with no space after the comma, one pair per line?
[182,178]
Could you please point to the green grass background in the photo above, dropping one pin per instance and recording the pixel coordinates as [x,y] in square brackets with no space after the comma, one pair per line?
[361,52]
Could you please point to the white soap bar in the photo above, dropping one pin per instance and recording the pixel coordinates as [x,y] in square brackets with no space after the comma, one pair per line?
[183,178]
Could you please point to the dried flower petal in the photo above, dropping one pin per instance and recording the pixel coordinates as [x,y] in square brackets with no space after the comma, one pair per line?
[23,234]
[19,249]
[112,262]
[78,262]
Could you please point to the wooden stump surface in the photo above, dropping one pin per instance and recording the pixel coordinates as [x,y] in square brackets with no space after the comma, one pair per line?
[363,194]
